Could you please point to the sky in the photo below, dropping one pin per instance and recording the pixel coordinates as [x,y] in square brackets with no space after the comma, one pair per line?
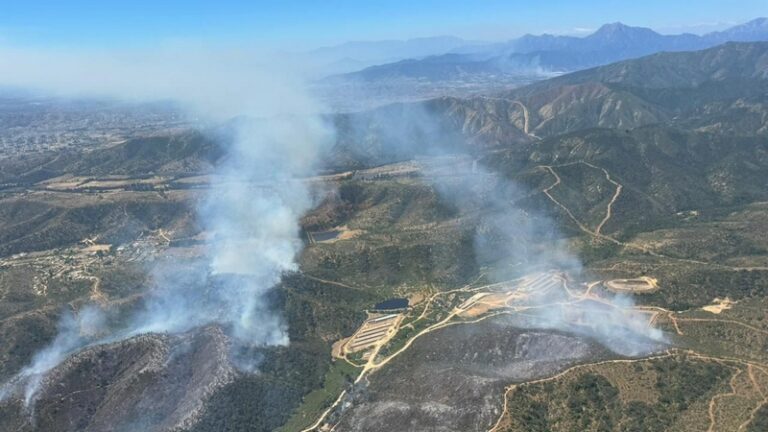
[308,24]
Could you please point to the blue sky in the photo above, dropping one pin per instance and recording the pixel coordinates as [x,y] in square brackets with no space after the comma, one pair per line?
[309,23]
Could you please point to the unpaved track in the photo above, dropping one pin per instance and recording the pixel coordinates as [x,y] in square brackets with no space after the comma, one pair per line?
[97,295]
[675,320]
[609,208]
[512,387]
[330,282]
[526,115]
[713,402]
[566,209]
[372,365]
[751,372]
[751,418]
[526,118]
[725,321]
[750,369]
[613,198]
[667,354]
[600,236]
[325,413]
[658,311]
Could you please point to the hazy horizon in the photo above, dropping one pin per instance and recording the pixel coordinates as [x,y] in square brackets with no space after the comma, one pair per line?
[302,25]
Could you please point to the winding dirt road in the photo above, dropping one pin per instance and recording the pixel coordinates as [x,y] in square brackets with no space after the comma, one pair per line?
[609,210]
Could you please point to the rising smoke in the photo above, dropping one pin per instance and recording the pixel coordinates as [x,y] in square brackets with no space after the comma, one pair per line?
[251,212]
[512,239]
[74,331]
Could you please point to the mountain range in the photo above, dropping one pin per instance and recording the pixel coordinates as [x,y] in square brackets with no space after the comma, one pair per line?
[355,55]
[652,167]
[550,54]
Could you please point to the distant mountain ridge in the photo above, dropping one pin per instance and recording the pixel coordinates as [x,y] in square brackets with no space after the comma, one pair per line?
[723,89]
[720,91]
[354,55]
[558,54]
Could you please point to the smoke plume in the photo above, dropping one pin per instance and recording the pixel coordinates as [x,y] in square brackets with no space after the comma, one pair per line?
[513,239]
[252,209]
[74,332]
[250,213]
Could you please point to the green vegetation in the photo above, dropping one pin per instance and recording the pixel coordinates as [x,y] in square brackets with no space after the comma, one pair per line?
[694,286]
[662,392]
[338,377]
[760,422]
[683,134]
[264,401]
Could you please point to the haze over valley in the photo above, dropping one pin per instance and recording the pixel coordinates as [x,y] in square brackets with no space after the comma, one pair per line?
[540,233]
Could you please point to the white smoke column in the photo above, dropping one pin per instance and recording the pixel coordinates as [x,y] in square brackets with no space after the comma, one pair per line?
[514,241]
[253,208]
[511,239]
[75,331]
[254,212]
[251,214]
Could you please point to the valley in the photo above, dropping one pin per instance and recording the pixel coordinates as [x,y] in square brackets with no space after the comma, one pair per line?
[583,253]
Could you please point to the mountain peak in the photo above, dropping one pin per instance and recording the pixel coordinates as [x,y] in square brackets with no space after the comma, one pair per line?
[613,27]
[619,28]
[620,32]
